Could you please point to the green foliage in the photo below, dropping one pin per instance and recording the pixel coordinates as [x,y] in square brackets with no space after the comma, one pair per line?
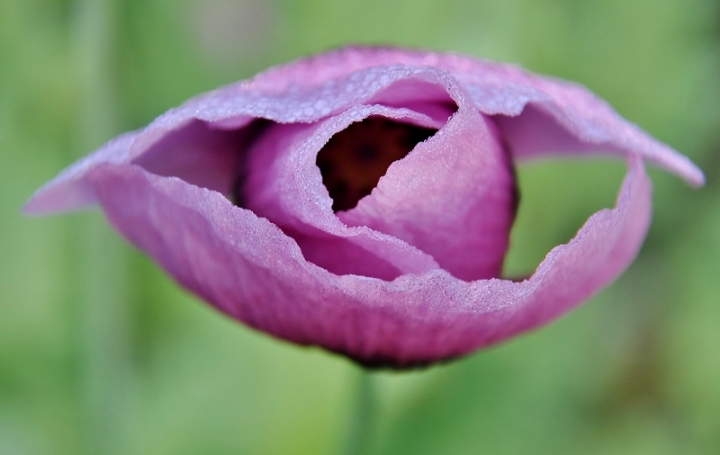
[101,354]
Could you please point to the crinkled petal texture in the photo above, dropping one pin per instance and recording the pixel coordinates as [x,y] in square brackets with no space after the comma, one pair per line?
[411,274]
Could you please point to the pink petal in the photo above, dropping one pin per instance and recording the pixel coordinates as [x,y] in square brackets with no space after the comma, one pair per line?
[285,186]
[452,197]
[250,270]
[536,115]
[70,190]
[543,115]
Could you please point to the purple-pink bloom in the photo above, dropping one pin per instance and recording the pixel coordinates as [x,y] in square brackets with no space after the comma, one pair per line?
[248,197]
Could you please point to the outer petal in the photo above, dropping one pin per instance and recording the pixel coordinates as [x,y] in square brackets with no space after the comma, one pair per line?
[246,267]
[536,115]
[70,190]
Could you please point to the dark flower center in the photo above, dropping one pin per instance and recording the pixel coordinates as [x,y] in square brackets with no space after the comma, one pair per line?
[353,160]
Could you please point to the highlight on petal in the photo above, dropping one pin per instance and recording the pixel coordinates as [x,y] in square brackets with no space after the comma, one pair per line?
[361,200]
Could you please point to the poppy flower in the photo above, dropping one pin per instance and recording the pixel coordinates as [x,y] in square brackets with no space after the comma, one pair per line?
[361,200]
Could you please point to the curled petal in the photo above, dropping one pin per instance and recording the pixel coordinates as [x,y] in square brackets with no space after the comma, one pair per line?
[252,271]
[536,115]
[453,197]
[284,185]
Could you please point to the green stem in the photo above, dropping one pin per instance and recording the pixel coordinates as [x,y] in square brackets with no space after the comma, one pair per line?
[104,352]
[361,423]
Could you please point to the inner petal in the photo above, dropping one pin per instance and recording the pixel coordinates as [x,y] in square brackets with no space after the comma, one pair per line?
[353,160]
[453,198]
[280,181]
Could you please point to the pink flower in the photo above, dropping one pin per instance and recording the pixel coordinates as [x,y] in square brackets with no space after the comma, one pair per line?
[263,199]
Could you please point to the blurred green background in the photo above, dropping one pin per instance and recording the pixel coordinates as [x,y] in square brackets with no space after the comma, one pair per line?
[100,353]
